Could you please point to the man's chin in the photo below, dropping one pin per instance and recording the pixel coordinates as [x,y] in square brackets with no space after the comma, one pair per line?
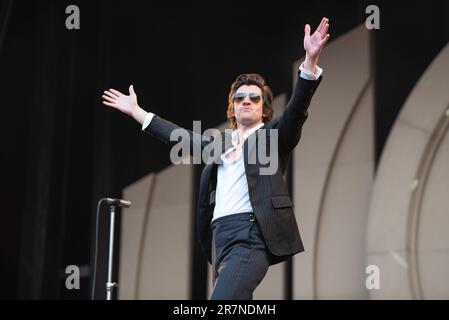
[247,121]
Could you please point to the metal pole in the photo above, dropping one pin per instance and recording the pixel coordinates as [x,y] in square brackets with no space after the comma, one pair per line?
[110,285]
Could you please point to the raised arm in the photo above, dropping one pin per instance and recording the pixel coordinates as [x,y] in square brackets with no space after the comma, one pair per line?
[290,123]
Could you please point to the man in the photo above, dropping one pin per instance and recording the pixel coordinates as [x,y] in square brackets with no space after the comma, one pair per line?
[246,221]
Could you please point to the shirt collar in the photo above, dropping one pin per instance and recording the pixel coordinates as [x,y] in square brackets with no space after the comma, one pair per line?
[235,136]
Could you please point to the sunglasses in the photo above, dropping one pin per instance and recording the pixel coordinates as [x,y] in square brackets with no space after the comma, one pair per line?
[240,96]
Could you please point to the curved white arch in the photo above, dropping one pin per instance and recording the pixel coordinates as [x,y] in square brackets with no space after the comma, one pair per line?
[333,174]
[411,162]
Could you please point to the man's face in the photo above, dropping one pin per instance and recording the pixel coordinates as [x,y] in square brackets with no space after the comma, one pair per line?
[248,105]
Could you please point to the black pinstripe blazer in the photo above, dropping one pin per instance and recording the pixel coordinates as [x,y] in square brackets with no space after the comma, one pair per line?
[268,194]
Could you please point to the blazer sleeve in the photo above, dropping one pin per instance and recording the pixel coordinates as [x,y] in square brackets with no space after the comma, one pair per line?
[171,134]
[289,124]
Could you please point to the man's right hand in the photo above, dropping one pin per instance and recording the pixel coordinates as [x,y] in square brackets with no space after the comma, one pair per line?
[119,101]
[126,104]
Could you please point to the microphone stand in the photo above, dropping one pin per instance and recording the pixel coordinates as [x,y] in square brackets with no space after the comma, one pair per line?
[113,203]
[110,285]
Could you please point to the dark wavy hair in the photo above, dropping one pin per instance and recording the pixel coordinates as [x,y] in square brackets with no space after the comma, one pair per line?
[267,96]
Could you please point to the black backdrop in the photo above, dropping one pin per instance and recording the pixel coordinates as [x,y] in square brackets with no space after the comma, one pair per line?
[62,149]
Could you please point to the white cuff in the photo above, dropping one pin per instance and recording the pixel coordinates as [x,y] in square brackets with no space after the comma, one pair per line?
[147,120]
[305,74]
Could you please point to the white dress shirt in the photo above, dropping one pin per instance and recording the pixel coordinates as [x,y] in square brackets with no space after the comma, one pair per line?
[232,195]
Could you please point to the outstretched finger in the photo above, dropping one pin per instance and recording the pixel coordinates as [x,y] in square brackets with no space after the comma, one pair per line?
[307,30]
[324,30]
[322,24]
[107,98]
[118,93]
[109,104]
[131,89]
[110,94]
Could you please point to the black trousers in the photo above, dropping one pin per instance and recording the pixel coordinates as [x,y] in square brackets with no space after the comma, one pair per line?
[240,259]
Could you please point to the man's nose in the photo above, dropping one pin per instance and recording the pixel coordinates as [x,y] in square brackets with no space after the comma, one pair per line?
[246,102]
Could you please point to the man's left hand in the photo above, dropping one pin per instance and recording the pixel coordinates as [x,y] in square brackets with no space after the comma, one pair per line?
[313,44]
